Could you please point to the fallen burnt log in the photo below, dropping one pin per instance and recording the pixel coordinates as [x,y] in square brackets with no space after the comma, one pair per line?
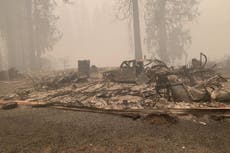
[9,105]
[159,116]
[169,115]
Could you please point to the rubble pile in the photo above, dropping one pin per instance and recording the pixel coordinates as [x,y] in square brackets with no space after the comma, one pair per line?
[110,95]
[190,83]
[101,94]
[136,85]
[58,80]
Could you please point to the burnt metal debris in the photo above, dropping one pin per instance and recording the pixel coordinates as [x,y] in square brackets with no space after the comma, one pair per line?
[187,83]
[136,84]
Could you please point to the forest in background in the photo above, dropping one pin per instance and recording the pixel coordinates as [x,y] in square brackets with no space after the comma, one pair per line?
[29,29]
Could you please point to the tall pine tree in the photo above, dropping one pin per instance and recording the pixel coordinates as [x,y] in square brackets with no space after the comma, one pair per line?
[167,35]
[29,29]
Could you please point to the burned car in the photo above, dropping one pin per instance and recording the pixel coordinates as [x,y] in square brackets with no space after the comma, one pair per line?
[127,73]
[134,71]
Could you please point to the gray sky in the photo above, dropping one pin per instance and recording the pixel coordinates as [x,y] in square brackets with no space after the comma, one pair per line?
[212,30]
[91,32]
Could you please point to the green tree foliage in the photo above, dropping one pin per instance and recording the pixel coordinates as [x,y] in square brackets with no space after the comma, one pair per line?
[166,30]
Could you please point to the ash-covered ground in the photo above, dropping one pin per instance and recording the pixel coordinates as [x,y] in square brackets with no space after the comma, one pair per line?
[48,130]
[27,130]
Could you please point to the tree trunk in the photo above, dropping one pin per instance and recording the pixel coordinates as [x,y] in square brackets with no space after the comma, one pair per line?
[136,27]
[31,44]
[162,32]
[1,61]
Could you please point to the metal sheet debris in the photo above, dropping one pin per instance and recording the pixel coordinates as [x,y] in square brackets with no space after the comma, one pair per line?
[147,84]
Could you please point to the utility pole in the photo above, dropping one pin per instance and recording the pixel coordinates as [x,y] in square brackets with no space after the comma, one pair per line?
[136,28]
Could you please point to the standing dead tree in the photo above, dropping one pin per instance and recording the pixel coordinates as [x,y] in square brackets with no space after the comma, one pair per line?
[126,9]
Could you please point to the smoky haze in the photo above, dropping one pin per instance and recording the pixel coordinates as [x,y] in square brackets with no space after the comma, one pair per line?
[90,31]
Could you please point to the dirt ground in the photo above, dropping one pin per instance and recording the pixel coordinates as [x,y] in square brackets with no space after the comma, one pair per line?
[46,130]
[28,130]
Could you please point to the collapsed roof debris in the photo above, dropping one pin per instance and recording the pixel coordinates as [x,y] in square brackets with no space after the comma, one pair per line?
[135,85]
